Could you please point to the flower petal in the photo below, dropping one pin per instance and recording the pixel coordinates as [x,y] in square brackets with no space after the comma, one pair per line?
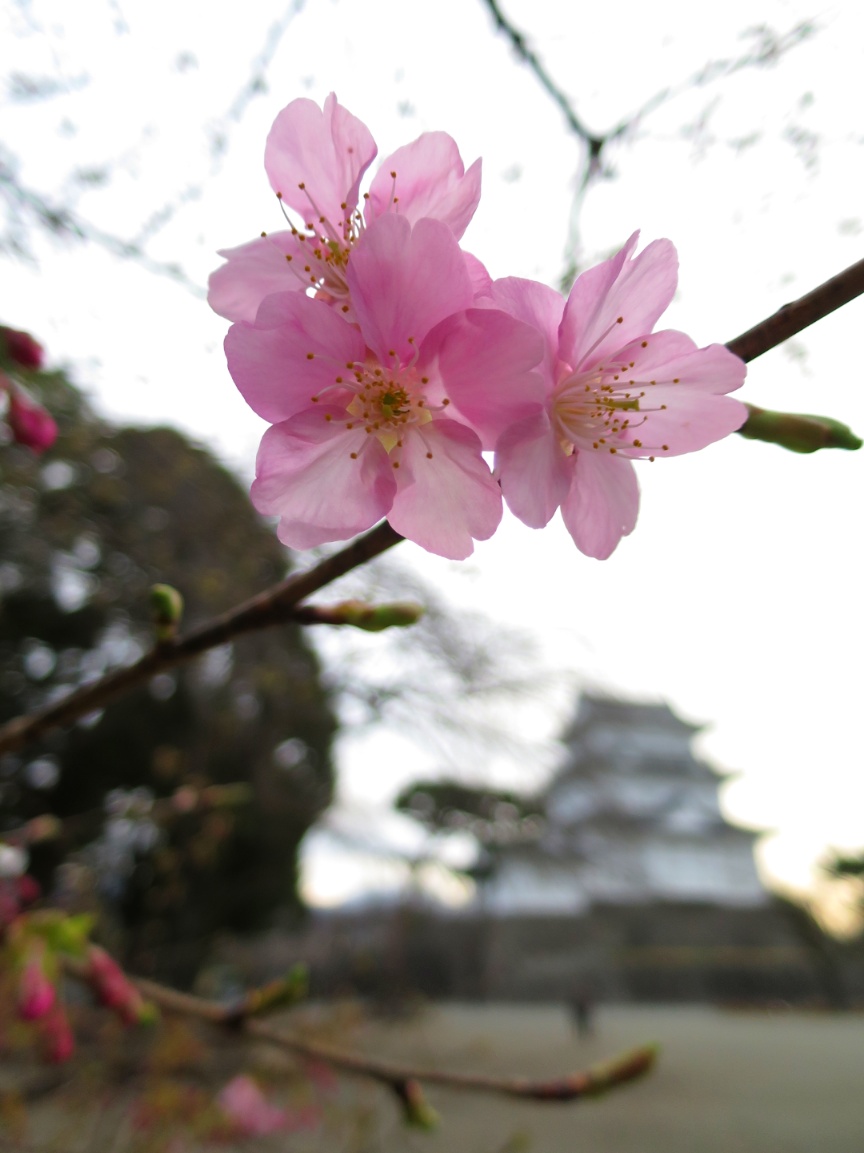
[327,150]
[253,271]
[294,351]
[430,180]
[538,305]
[535,473]
[602,504]
[446,498]
[486,359]
[616,302]
[306,475]
[680,388]
[403,281]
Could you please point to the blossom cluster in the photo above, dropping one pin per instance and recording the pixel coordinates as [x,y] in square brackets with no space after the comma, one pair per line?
[389,364]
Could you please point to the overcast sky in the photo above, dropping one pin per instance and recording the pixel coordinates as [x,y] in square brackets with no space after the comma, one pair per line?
[737,598]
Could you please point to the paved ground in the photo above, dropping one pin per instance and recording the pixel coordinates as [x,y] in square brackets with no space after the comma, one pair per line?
[726,1082]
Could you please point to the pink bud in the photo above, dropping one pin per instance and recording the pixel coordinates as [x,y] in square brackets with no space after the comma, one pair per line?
[115,990]
[21,347]
[31,424]
[36,994]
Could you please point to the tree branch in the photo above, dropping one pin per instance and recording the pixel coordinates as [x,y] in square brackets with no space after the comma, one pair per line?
[800,314]
[590,1082]
[274,606]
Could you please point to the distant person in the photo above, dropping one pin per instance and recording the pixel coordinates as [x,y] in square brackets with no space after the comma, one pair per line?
[582,1011]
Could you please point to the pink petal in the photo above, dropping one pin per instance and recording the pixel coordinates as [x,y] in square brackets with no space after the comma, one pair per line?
[602,504]
[307,477]
[249,1110]
[481,281]
[447,500]
[253,271]
[535,473]
[636,290]
[683,407]
[485,359]
[430,181]
[403,281]
[327,150]
[538,305]
[270,360]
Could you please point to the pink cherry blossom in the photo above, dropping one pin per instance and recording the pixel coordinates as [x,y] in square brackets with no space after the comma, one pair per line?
[316,159]
[362,424]
[249,1111]
[613,390]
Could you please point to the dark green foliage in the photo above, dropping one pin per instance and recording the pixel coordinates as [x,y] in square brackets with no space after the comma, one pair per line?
[85,531]
[489,814]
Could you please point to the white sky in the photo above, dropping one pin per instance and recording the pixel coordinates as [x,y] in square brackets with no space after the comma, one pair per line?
[738,596]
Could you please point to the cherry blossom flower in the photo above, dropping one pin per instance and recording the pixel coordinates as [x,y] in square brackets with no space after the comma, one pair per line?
[362,427]
[249,1111]
[612,391]
[315,159]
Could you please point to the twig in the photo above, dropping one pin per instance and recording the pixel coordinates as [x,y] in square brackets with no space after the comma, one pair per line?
[587,1083]
[801,313]
[274,606]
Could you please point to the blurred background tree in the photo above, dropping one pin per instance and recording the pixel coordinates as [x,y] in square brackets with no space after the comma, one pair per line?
[84,533]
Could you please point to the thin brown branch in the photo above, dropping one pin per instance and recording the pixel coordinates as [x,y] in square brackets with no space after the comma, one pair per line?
[274,606]
[526,54]
[800,314]
[586,1083]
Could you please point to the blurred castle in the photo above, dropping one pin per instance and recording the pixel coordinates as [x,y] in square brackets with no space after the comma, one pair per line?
[632,886]
[636,886]
[632,817]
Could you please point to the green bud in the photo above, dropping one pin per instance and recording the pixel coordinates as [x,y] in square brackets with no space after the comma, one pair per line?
[416,1111]
[281,993]
[166,606]
[64,934]
[376,618]
[798,432]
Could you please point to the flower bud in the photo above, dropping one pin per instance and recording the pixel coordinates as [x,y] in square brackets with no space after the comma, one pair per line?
[796,431]
[114,989]
[166,605]
[21,348]
[31,424]
[416,1110]
[376,618]
[36,993]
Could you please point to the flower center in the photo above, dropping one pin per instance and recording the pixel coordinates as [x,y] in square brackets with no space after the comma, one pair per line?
[327,246]
[387,401]
[603,408]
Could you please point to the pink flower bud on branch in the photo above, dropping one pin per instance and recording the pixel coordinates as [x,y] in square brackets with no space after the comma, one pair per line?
[36,991]
[21,348]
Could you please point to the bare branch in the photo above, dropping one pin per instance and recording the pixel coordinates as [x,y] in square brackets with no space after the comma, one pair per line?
[590,1082]
[800,314]
[274,606]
